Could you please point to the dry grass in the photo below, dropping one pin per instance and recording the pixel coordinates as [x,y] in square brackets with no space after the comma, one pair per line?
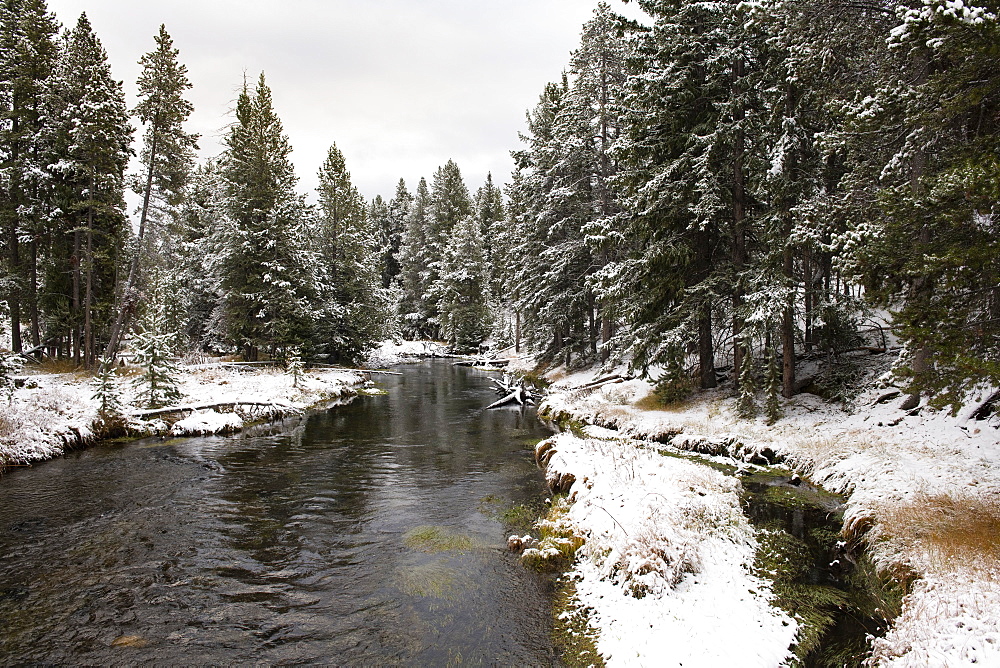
[53,365]
[652,402]
[955,529]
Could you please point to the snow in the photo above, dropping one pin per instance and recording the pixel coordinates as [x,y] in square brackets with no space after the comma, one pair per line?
[390,352]
[884,459]
[208,422]
[666,567]
[53,412]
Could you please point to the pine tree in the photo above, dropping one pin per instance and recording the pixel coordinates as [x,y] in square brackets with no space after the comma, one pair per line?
[932,254]
[28,53]
[460,291]
[354,303]
[489,211]
[415,257]
[86,143]
[266,289]
[167,157]
[157,384]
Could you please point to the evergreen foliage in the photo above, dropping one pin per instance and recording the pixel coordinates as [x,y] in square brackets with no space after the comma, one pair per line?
[265,286]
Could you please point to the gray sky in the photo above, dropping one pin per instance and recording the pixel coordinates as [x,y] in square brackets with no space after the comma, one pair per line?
[401,86]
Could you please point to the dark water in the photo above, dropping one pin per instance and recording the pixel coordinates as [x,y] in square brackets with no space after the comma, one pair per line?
[839,599]
[361,535]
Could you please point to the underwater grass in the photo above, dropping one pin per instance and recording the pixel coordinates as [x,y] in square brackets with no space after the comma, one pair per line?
[432,539]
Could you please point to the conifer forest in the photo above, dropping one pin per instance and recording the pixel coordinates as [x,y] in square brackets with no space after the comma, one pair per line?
[717,193]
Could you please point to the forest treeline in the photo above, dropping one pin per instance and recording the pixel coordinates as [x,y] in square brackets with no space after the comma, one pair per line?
[737,185]
[718,192]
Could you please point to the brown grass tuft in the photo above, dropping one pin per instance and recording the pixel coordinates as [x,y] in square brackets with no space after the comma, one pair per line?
[652,402]
[57,365]
[955,528]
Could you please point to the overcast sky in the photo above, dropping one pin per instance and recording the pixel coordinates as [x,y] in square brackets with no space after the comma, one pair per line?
[401,86]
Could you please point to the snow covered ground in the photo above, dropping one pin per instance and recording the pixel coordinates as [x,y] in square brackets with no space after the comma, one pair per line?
[390,352]
[927,485]
[53,412]
[666,567]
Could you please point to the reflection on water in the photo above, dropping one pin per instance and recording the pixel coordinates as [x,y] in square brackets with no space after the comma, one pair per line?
[352,536]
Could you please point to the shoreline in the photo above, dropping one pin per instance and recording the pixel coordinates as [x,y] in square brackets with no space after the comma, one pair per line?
[884,461]
[52,414]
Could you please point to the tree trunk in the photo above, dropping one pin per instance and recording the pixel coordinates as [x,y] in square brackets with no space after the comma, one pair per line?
[128,301]
[88,298]
[36,337]
[592,322]
[739,223]
[517,331]
[75,302]
[706,350]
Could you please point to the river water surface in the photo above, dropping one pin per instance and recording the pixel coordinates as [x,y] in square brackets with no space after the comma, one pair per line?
[366,534]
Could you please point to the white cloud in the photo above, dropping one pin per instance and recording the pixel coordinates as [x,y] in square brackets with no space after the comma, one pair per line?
[400,85]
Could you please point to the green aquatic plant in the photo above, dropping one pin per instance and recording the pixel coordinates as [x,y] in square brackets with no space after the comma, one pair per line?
[433,579]
[573,636]
[432,539]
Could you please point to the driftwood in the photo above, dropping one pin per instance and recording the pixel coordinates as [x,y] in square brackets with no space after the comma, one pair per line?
[511,391]
[190,408]
[616,378]
[517,395]
[482,362]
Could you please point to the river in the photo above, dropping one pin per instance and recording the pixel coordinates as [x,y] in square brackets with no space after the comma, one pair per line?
[364,534]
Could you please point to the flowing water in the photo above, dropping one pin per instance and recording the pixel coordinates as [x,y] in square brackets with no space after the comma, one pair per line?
[366,534]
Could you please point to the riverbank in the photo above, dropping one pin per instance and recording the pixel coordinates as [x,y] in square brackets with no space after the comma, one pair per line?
[923,495]
[51,413]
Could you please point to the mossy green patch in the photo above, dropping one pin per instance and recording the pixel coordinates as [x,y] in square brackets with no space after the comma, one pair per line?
[573,636]
[432,539]
[435,579]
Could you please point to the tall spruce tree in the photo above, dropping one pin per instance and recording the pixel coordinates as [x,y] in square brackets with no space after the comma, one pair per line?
[391,232]
[931,255]
[28,53]
[353,303]
[415,257]
[87,144]
[167,156]
[460,291]
[266,292]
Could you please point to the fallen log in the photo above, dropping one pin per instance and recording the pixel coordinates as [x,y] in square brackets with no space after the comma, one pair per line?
[482,362]
[516,395]
[616,378]
[232,405]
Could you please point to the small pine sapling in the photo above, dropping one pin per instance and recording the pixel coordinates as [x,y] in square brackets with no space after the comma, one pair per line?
[772,407]
[110,409]
[10,364]
[293,366]
[746,404]
[675,384]
[158,381]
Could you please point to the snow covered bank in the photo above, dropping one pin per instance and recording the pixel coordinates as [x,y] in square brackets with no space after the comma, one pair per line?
[388,353]
[887,461]
[51,413]
[666,569]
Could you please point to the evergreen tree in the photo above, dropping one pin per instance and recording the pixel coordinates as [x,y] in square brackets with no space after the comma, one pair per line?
[158,382]
[28,53]
[267,296]
[932,254]
[391,232]
[353,302]
[415,257]
[167,157]
[460,290]
[489,211]
[86,144]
